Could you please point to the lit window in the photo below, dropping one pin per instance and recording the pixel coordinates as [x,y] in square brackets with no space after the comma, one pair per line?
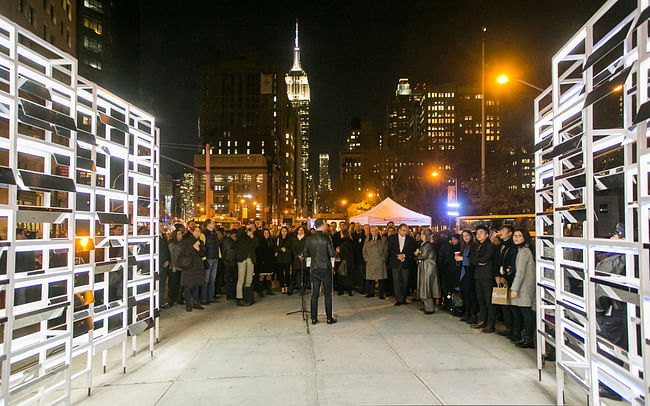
[93,25]
[94,5]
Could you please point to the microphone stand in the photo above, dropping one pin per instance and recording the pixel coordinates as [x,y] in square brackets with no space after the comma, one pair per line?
[302,293]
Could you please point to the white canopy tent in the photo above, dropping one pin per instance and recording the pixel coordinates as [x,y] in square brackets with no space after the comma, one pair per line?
[387,211]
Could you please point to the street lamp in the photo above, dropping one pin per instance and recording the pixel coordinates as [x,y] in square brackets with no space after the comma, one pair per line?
[503,79]
[452,204]
[344,202]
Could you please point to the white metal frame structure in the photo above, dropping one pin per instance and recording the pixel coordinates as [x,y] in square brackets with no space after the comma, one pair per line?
[79,170]
[592,172]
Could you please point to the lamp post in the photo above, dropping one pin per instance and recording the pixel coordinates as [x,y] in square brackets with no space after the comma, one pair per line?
[452,204]
[483,114]
[503,79]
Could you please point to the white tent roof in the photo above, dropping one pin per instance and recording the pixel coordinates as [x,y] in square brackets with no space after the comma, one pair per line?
[387,211]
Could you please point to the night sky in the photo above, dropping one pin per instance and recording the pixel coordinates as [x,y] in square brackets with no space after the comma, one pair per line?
[353,53]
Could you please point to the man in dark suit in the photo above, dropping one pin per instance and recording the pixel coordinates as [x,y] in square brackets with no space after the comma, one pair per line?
[483,259]
[401,249]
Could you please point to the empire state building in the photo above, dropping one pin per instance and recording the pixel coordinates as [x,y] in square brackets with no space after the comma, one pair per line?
[298,93]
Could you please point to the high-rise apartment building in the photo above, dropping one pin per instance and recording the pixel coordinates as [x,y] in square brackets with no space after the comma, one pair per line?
[402,116]
[363,137]
[108,43]
[244,110]
[52,20]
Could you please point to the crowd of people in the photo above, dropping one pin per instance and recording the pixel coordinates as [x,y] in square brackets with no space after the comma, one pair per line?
[441,270]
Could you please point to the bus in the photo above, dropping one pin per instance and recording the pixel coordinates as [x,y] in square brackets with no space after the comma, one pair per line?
[494,222]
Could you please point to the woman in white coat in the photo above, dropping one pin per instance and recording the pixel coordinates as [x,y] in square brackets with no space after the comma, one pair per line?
[522,291]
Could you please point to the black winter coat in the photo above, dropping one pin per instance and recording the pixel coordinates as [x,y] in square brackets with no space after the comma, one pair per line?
[265,253]
[483,258]
[245,248]
[284,258]
[297,249]
[194,276]
[228,251]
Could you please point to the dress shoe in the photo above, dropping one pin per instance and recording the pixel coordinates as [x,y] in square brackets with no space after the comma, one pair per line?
[205,303]
[404,302]
[341,293]
[516,336]
[527,342]
[331,321]
[214,301]
[382,297]
[165,306]
[188,307]
[479,325]
[471,321]
[350,293]
[397,304]
[198,307]
[314,321]
[505,333]
[488,329]
[370,295]
[431,312]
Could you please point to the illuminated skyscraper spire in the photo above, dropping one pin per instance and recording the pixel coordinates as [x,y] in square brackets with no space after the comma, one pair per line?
[296,53]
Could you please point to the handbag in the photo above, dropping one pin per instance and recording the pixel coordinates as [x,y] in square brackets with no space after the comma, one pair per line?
[343,269]
[184,261]
[457,300]
[500,295]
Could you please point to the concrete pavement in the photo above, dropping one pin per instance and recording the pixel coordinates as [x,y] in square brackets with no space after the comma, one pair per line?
[376,354]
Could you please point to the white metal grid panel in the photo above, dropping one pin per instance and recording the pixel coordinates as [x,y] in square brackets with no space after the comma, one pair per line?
[592,173]
[79,171]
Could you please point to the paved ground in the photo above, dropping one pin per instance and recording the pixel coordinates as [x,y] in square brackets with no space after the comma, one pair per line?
[376,354]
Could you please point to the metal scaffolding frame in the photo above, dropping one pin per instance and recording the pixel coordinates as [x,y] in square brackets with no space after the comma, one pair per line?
[592,172]
[79,171]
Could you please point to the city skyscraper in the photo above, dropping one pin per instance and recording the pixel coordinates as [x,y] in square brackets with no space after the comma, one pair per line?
[324,180]
[402,115]
[299,95]
[244,110]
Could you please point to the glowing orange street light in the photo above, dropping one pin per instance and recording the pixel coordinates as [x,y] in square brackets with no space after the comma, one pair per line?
[503,79]
[370,195]
[344,202]
[242,201]
[434,174]
[286,211]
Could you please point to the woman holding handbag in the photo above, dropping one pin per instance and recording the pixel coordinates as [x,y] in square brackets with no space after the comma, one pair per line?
[347,264]
[522,290]
[190,261]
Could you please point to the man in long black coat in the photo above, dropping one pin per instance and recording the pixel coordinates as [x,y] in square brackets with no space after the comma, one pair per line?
[483,259]
[401,249]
